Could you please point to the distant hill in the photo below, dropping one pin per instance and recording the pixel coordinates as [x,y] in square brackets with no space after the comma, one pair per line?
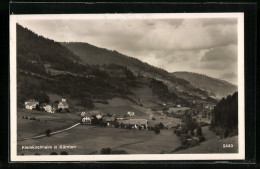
[218,88]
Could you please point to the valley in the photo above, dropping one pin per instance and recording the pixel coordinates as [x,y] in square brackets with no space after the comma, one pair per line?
[123,105]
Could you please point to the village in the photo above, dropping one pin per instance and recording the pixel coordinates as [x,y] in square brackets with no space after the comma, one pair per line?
[127,119]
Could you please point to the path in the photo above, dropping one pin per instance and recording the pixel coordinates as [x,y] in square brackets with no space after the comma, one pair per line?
[52,133]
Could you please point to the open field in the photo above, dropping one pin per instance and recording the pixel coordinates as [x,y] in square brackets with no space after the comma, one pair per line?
[176,109]
[44,121]
[90,140]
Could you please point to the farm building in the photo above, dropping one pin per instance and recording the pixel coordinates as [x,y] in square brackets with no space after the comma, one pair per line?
[63,104]
[109,120]
[119,117]
[83,114]
[86,120]
[98,116]
[31,104]
[178,105]
[130,113]
[135,123]
[48,108]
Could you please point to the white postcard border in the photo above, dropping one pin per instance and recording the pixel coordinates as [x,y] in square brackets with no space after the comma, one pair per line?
[133,157]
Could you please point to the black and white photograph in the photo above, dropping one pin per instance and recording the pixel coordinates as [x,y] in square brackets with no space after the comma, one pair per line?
[111,87]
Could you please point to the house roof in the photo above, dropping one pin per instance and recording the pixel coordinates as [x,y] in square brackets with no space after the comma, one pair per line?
[109,118]
[43,104]
[64,103]
[30,104]
[31,100]
[137,121]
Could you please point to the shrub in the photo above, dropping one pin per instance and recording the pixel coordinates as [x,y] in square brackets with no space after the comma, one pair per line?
[54,153]
[48,133]
[153,118]
[116,124]
[194,142]
[140,127]
[201,139]
[129,126]
[106,151]
[151,128]
[38,107]
[157,130]
[199,131]
[184,141]
[160,125]
[226,133]
[64,153]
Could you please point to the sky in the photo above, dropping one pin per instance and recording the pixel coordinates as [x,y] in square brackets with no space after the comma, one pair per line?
[202,45]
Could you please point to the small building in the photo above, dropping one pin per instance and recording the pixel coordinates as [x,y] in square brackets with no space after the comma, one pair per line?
[178,105]
[83,114]
[98,116]
[119,117]
[63,104]
[48,108]
[135,123]
[110,121]
[131,113]
[86,120]
[31,104]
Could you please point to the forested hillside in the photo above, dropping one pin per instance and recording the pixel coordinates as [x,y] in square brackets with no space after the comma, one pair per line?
[82,82]
[34,50]
[225,115]
[218,88]
[93,55]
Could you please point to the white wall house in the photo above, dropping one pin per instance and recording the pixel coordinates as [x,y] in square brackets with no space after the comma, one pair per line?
[63,104]
[86,120]
[48,108]
[98,116]
[31,104]
[130,113]
[83,114]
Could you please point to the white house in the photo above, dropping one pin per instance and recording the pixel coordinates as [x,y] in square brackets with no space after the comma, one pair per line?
[135,123]
[83,114]
[63,104]
[130,113]
[48,108]
[86,120]
[178,105]
[98,116]
[31,104]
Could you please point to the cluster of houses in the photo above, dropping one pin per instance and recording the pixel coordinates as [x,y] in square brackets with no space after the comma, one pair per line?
[32,104]
[111,121]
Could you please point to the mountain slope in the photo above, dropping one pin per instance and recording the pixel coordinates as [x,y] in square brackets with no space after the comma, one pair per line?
[217,87]
[93,55]
[83,83]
